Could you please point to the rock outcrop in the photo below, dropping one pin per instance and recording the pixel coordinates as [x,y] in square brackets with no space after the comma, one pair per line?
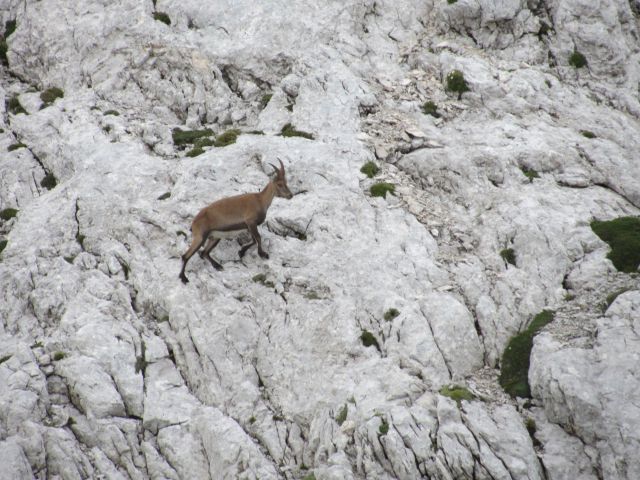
[336,357]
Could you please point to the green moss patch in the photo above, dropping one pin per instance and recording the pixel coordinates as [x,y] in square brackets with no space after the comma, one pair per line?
[516,357]
[3,245]
[290,131]
[115,113]
[623,236]
[587,134]
[50,95]
[342,415]
[370,169]
[8,213]
[457,393]
[456,83]
[16,146]
[188,137]
[369,340]
[391,314]
[14,106]
[227,138]
[49,181]
[9,28]
[383,429]
[508,255]
[381,189]
[265,99]
[164,196]
[262,278]
[577,60]
[59,356]
[530,173]
[162,17]
[430,108]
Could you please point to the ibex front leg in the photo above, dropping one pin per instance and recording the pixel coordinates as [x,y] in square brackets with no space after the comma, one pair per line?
[253,230]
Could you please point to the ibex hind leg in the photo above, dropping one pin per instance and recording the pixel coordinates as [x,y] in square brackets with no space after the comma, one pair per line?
[205,253]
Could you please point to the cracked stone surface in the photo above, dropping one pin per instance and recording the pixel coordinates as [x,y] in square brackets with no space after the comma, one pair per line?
[110,367]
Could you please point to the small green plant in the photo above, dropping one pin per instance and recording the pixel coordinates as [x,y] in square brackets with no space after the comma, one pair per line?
[570,296]
[508,255]
[577,60]
[4,48]
[381,189]
[69,259]
[3,245]
[265,99]
[456,83]
[290,107]
[623,236]
[195,151]
[342,415]
[383,429]
[227,138]
[369,340]
[262,278]
[49,181]
[391,314]
[8,213]
[187,137]
[312,295]
[255,132]
[115,113]
[529,173]
[515,359]
[162,17]
[9,28]
[370,169]
[252,420]
[451,2]
[311,476]
[59,356]
[14,106]
[164,196]
[457,393]
[16,146]
[612,298]
[50,95]
[430,108]
[587,134]
[290,131]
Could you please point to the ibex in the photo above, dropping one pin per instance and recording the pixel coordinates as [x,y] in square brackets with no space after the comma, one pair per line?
[229,216]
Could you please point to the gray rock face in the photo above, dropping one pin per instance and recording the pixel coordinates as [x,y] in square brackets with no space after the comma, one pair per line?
[330,357]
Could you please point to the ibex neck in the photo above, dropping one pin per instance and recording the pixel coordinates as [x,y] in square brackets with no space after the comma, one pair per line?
[267,194]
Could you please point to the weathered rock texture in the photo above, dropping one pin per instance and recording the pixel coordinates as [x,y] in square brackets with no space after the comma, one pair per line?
[112,368]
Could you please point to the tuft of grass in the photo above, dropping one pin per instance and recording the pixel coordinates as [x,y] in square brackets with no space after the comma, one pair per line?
[164,196]
[49,181]
[342,415]
[3,245]
[59,356]
[265,99]
[369,340]
[50,95]
[451,2]
[577,60]
[457,393]
[508,255]
[262,278]
[115,113]
[162,17]
[15,146]
[8,213]
[456,83]
[311,476]
[515,358]
[384,428]
[612,298]
[195,151]
[370,169]
[430,108]
[187,137]
[290,131]
[391,314]
[587,134]
[529,173]
[381,189]
[4,48]
[14,106]
[227,138]
[623,236]
[9,28]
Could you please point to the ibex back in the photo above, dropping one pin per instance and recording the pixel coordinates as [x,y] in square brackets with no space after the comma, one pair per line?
[229,216]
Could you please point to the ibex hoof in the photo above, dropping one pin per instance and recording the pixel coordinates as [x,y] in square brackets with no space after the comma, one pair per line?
[241,253]
[264,255]
[184,279]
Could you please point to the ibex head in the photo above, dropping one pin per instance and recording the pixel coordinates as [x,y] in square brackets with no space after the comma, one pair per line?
[282,190]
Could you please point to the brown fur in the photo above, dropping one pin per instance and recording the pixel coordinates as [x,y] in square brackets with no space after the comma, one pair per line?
[231,214]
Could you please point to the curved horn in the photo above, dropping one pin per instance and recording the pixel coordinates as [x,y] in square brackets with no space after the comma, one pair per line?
[281,166]
[275,168]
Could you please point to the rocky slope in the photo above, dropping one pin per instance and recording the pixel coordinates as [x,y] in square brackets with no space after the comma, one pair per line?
[328,360]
